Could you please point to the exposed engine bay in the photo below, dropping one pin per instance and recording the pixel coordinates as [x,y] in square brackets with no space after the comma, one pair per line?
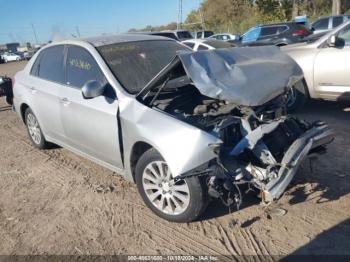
[262,146]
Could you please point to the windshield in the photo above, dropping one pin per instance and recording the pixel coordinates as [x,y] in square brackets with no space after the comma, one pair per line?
[169,35]
[208,34]
[184,35]
[134,64]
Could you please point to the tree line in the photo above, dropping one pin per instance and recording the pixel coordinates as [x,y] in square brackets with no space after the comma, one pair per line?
[236,16]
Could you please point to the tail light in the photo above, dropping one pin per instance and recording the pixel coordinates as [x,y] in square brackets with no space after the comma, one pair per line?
[300,32]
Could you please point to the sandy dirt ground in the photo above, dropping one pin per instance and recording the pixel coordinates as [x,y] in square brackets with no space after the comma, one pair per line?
[54,202]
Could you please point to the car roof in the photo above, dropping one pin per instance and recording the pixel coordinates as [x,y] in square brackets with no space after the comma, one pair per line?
[330,16]
[98,41]
[121,38]
[276,24]
[173,31]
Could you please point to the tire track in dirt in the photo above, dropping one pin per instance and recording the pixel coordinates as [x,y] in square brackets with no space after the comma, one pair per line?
[187,240]
[199,245]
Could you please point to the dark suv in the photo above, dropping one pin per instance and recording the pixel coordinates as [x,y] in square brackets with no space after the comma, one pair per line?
[275,34]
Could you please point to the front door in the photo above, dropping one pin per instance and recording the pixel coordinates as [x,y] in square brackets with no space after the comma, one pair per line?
[90,125]
[332,67]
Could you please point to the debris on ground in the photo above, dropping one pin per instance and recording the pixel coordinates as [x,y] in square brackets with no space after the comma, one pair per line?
[277,212]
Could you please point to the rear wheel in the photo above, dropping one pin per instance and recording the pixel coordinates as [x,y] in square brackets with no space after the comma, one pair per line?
[297,96]
[181,200]
[34,130]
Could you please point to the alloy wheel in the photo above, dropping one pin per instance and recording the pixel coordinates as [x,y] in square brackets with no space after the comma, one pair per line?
[33,128]
[167,195]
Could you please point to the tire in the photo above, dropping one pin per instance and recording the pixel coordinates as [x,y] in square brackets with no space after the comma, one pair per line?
[9,100]
[297,97]
[34,130]
[172,202]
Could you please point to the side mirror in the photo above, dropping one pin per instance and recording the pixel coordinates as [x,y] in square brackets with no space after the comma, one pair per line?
[331,41]
[92,89]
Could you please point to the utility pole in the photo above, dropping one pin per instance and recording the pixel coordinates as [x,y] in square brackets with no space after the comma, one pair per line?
[336,7]
[35,36]
[77,30]
[202,18]
[179,15]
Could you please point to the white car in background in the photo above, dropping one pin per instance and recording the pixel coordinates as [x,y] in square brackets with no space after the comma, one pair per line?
[224,37]
[206,44]
[10,57]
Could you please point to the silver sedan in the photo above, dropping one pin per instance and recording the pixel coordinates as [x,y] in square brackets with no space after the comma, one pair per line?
[185,126]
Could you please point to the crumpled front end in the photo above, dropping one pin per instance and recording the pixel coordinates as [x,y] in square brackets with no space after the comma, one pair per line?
[230,95]
[312,140]
[264,155]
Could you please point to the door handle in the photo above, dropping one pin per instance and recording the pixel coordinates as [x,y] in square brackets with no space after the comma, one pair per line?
[65,101]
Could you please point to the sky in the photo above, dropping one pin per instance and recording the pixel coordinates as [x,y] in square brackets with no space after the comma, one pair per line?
[61,18]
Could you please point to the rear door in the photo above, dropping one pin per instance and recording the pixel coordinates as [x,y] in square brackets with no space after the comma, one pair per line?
[90,125]
[332,67]
[268,35]
[45,81]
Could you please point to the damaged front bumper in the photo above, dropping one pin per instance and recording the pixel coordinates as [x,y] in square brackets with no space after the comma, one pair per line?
[296,153]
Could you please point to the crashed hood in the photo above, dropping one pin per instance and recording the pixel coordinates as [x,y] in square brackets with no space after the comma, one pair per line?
[248,76]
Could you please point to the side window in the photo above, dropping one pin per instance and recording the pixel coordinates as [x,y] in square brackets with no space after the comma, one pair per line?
[321,24]
[225,37]
[81,67]
[190,45]
[281,29]
[199,35]
[251,35]
[49,64]
[270,30]
[202,47]
[344,34]
[337,20]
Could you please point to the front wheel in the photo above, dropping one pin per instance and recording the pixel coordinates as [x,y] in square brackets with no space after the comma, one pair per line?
[9,100]
[297,96]
[181,200]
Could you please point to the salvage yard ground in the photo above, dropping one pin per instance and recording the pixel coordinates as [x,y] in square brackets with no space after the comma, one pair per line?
[54,202]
